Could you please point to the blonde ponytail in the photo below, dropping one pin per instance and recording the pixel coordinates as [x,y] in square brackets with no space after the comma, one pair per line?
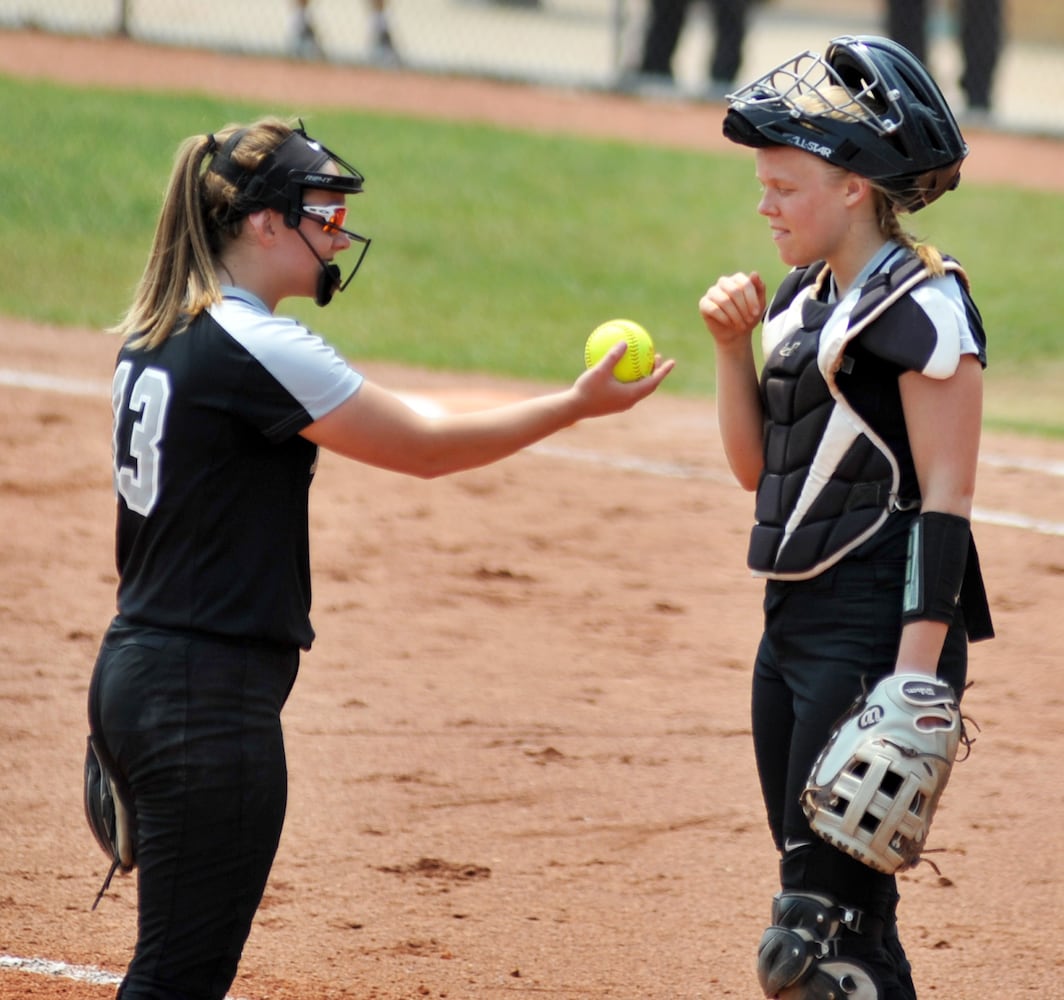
[200,212]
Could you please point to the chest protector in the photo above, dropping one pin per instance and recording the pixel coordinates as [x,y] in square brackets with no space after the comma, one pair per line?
[830,478]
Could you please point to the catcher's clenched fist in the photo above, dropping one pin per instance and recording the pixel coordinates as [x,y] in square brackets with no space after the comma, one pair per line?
[733,306]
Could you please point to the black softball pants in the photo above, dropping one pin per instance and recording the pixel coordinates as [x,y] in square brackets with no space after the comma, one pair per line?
[822,638]
[193,724]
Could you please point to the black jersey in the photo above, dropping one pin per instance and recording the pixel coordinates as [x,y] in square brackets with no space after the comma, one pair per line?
[212,475]
[837,457]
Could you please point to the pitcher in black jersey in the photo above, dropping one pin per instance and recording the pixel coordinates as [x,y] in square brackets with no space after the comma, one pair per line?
[860,436]
[220,406]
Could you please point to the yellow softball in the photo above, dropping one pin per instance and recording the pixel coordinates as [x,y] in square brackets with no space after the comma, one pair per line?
[637,363]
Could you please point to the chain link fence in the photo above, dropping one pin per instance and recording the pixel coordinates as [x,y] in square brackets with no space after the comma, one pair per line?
[572,43]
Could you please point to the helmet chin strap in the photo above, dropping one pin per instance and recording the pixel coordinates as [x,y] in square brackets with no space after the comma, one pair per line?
[328,275]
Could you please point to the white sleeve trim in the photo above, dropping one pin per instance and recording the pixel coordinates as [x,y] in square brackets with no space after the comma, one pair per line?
[308,368]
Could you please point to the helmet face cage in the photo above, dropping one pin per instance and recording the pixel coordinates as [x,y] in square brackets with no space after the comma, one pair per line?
[807,74]
[301,180]
[348,182]
[893,125]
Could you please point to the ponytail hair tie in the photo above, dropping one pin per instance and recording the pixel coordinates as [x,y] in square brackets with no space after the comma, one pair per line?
[212,144]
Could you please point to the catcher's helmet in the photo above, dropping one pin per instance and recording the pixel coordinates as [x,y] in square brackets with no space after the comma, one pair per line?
[895,128]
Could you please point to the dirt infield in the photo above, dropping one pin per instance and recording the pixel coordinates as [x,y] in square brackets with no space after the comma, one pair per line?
[520,751]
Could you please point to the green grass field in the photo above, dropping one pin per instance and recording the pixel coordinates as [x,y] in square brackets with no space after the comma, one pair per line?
[494,250]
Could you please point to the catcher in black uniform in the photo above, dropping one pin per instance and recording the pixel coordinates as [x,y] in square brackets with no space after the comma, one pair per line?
[860,436]
[220,407]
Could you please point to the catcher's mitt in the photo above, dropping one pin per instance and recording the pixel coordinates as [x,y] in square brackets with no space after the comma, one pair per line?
[109,817]
[873,790]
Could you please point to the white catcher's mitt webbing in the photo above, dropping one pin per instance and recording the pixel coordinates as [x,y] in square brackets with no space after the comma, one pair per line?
[874,788]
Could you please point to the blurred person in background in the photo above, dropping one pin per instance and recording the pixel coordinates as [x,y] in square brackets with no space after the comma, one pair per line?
[665,24]
[382,48]
[305,43]
[981,31]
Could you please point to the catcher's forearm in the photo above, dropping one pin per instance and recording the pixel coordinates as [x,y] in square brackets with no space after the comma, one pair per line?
[921,647]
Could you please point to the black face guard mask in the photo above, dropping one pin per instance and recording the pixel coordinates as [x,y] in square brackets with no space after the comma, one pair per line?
[330,278]
[296,165]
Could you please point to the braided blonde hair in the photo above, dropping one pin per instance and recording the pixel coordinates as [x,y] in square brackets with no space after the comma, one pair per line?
[892,229]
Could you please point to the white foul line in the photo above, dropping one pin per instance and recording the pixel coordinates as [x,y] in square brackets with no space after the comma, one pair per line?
[1023,463]
[44,967]
[1006,519]
[54,383]
[80,973]
[671,470]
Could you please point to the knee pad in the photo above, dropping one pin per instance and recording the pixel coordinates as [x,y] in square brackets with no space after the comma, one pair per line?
[797,958]
[835,979]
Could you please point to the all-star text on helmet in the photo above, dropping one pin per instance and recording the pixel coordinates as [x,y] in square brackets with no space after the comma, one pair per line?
[893,127]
